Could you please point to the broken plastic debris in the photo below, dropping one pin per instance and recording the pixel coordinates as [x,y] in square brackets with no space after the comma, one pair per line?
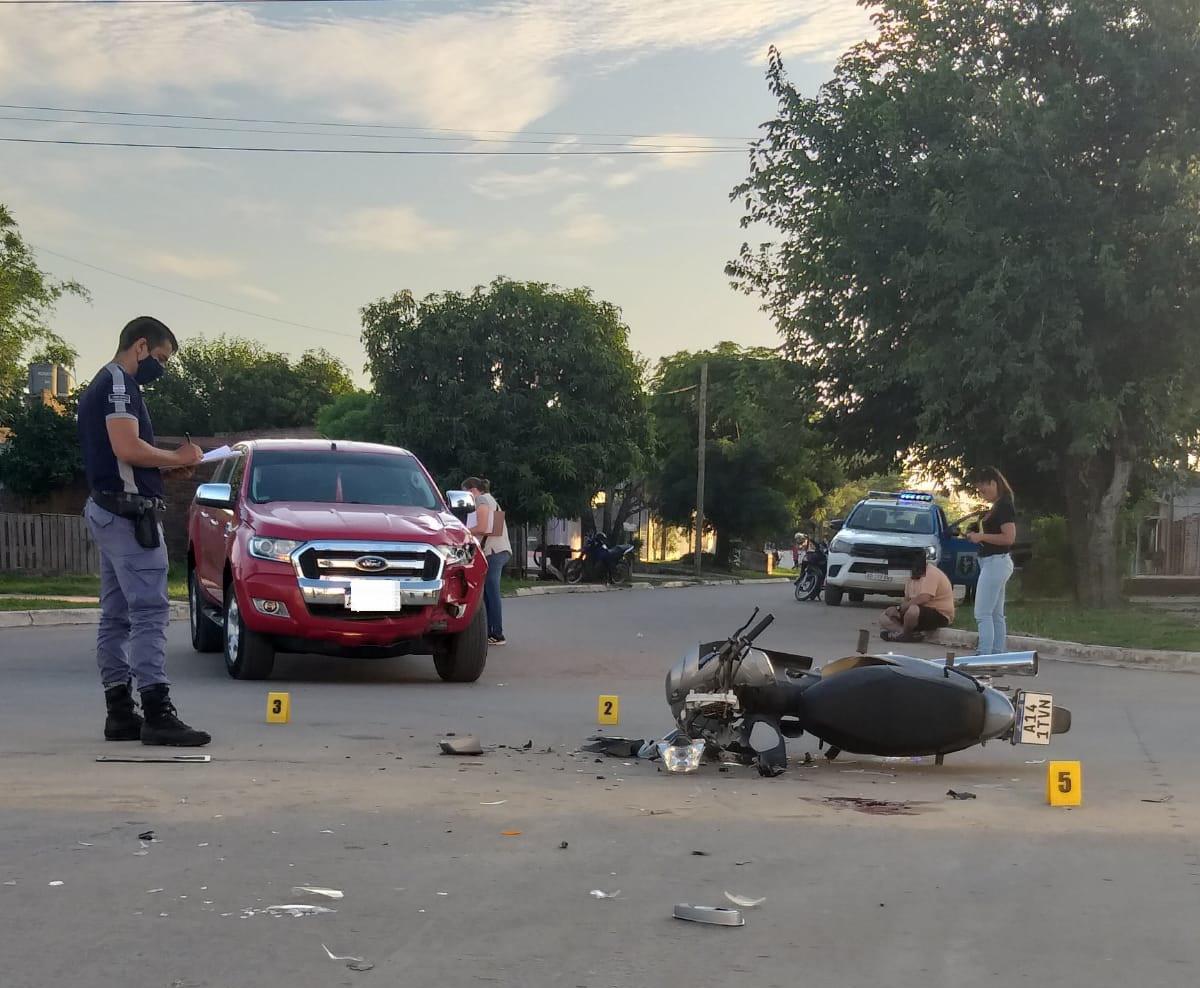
[55,885]
[354,963]
[1161,799]
[157,759]
[461,746]
[615,747]
[601,894]
[713,915]
[85,844]
[317,890]
[743,901]
[959,795]
[152,891]
[147,835]
[510,833]
[495,802]
[293,909]
[326,831]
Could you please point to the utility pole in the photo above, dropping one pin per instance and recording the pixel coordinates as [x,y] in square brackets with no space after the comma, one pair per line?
[702,406]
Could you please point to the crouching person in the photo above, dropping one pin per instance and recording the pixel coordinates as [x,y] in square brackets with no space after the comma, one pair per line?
[928,604]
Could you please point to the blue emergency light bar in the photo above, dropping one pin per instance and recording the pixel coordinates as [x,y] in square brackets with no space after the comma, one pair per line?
[903,496]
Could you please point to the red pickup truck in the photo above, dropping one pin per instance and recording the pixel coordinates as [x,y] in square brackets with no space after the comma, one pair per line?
[334,548]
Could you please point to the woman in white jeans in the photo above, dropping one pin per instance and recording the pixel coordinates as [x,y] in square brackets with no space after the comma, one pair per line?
[998,532]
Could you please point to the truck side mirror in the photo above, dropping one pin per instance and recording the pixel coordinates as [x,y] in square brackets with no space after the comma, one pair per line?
[953,531]
[215,495]
[461,504]
[836,524]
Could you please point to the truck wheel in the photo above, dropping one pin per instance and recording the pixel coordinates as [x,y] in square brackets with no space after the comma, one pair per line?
[573,571]
[833,596]
[857,596]
[462,658]
[206,633]
[248,655]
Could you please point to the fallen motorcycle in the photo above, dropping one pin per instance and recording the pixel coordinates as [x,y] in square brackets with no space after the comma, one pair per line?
[746,701]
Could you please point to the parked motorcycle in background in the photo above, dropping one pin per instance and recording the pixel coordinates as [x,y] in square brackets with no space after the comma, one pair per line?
[600,562]
[811,579]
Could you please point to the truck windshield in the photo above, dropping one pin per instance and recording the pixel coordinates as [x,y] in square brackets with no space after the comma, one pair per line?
[902,519]
[387,479]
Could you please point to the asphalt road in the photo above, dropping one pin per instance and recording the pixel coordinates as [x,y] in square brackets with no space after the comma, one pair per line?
[352,795]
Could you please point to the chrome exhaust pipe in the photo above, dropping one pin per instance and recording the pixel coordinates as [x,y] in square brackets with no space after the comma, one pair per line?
[999,665]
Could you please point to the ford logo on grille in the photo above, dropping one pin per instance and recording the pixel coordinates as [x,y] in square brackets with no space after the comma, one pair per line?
[371,564]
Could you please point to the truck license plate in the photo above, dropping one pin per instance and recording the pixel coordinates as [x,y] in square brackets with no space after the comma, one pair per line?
[875,575]
[374,595]
[1035,718]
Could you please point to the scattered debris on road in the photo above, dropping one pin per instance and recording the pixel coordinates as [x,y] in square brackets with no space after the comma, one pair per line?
[510,833]
[354,963]
[495,802]
[147,835]
[295,910]
[953,794]
[1160,799]
[317,890]
[743,901]
[461,746]
[157,759]
[712,915]
[614,747]
[601,894]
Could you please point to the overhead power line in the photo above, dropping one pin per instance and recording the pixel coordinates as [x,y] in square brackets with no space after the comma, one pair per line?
[419,152]
[464,132]
[355,134]
[194,298]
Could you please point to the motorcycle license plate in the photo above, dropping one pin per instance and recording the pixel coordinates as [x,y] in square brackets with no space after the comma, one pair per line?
[1035,718]
[380,596]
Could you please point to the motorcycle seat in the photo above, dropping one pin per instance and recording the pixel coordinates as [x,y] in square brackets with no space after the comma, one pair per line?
[894,710]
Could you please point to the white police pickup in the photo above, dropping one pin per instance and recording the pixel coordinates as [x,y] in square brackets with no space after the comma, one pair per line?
[874,548]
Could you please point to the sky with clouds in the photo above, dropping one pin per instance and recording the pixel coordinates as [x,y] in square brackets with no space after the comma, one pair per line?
[309,239]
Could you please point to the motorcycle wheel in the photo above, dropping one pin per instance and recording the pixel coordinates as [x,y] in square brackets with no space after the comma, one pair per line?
[573,571]
[622,573]
[808,585]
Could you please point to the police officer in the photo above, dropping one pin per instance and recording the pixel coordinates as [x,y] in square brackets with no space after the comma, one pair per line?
[123,512]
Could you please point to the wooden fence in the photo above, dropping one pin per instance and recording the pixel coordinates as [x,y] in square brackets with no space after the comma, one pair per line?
[46,544]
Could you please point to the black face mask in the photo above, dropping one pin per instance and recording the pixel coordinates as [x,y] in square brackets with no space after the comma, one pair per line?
[149,370]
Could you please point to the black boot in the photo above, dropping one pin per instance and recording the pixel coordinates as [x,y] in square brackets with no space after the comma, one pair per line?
[162,725]
[122,722]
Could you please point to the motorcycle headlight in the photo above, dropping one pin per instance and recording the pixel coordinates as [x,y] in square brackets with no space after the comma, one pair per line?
[276,550]
[458,555]
[840,544]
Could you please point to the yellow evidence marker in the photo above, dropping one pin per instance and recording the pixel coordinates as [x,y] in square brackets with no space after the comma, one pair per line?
[279,708]
[1064,783]
[608,711]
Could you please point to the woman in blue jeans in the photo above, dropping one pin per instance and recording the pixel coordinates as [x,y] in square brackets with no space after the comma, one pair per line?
[995,539]
[496,549]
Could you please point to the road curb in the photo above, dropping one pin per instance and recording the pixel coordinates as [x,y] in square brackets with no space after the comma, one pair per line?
[55,617]
[665,585]
[1082,654]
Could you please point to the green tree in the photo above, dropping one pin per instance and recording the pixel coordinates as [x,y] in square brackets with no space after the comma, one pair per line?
[42,454]
[765,463]
[357,416]
[990,243]
[230,384]
[529,385]
[27,298]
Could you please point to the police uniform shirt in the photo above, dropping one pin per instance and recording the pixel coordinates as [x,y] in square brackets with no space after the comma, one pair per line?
[115,394]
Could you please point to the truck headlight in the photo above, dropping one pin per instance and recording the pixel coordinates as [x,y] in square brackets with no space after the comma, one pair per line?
[276,550]
[840,544]
[931,553]
[458,555]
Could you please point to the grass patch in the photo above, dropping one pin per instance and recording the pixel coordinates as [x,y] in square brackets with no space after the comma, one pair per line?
[38,604]
[74,585]
[510,584]
[1127,626]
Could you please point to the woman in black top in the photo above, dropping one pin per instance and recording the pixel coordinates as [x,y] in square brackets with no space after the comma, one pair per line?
[999,531]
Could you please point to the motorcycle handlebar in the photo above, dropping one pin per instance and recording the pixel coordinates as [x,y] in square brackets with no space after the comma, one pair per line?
[759,628]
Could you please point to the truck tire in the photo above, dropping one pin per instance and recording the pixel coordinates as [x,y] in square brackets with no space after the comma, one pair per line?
[833,596]
[207,635]
[857,596]
[248,655]
[462,658]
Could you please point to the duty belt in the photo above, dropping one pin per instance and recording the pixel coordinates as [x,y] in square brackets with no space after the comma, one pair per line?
[128,505]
